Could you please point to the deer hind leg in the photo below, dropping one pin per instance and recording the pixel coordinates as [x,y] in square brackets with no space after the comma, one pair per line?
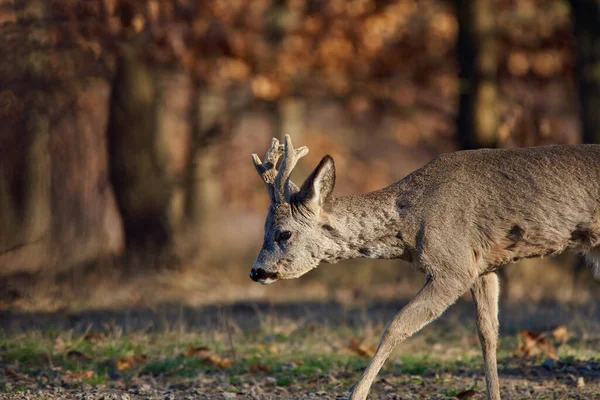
[485,295]
[434,298]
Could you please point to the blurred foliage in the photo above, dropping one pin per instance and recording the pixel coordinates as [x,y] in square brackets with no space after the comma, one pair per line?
[374,82]
[385,62]
[360,50]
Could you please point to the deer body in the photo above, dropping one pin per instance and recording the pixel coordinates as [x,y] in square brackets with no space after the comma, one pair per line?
[457,219]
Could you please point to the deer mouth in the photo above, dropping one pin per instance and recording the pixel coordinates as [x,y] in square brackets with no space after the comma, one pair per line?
[264,277]
[268,281]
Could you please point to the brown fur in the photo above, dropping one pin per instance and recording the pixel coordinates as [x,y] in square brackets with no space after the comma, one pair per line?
[458,219]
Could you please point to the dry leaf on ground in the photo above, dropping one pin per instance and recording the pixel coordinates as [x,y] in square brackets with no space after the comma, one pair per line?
[217,361]
[78,356]
[129,362]
[273,349]
[78,376]
[560,334]
[94,337]
[11,373]
[207,358]
[59,344]
[200,352]
[360,348]
[534,344]
[259,368]
[467,394]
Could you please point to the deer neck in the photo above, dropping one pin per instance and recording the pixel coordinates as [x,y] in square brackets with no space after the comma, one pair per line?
[367,226]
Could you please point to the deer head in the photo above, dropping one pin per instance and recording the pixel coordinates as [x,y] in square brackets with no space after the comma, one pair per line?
[294,237]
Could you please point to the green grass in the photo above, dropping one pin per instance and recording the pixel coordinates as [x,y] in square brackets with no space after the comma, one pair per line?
[285,357]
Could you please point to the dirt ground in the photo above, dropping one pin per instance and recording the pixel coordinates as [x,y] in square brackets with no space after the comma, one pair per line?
[424,367]
[531,383]
[526,382]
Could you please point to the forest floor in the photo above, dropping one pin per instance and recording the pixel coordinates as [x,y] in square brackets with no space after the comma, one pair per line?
[291,350]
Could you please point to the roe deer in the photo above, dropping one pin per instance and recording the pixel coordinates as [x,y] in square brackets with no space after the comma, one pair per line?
[457,219]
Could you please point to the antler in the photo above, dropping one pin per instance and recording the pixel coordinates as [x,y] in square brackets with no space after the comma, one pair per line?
[290,158]
[278,182]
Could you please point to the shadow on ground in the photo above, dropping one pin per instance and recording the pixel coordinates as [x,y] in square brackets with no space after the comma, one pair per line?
[580,318]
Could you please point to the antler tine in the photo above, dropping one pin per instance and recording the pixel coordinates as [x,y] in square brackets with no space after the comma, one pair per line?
[290,158]
[269,174]
[267,169]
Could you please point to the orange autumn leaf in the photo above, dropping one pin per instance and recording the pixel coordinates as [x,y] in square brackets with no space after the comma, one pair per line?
[361,349]
[129,362]
[529,342]
[259,368]
[535,343]
[200,352]
[217,361]
[560,334]
[274,349]
[78,376]
[204,354]
[94,337]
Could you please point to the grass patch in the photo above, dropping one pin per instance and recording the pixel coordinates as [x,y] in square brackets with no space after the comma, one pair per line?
[287,359]
[285,381]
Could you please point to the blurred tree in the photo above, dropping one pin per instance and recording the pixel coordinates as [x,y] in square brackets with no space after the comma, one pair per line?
[163,130]
[56,207]
[136,172]
[209,124]
[586,21]
[477,55]
[374,71]
[586,25]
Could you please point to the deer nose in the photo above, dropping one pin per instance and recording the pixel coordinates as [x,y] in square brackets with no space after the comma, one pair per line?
[258,274]
[254,275]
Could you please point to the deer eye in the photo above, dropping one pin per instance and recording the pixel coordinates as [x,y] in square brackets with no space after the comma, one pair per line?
[282,236]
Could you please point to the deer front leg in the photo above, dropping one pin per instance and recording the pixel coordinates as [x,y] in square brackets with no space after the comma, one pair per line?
[485,295]
[433,299]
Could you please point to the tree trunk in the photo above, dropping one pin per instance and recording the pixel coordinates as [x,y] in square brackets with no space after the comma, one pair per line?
[210,119]
[162,135]
[56,209]
[586,21]
[137,170]
[37,179]
[477,120]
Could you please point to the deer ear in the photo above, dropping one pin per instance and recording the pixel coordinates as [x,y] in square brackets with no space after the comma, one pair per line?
[319,185]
